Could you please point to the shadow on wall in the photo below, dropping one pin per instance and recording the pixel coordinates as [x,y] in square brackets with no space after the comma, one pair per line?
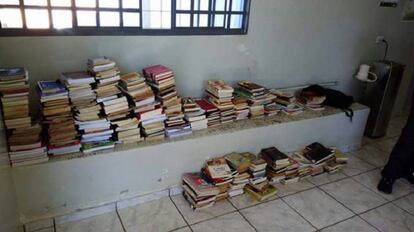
[9,215]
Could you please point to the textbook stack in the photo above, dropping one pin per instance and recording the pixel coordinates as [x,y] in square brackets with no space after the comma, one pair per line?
[212,112]
[239,162]
[220,94]
[219,173]
[241,107]
[114,105]
[257,95]
[23,137]
[287,103]
[317,156]
[198,191]
[280,168]
[57,118]
[162,81]
[194,114]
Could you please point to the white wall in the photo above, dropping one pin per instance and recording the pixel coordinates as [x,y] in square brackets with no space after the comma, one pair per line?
[289,42]
[9,211]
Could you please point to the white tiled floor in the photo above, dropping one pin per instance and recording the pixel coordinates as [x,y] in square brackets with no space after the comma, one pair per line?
[346,201]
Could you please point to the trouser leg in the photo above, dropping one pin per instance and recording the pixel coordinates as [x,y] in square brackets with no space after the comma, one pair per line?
[401,158]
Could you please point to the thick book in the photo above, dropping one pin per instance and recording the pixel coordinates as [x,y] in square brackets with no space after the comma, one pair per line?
[317,153]
[199,184]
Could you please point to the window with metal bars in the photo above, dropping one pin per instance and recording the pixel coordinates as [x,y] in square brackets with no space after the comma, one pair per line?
[123,17]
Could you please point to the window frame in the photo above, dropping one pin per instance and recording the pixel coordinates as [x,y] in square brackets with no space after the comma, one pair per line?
[126,31]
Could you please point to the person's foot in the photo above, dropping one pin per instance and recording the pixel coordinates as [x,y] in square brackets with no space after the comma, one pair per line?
[410,178]
[385,185]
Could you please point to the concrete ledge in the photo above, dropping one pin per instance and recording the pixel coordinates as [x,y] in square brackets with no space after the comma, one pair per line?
[70,183]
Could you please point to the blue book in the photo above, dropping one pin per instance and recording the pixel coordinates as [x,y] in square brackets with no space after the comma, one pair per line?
[48,87]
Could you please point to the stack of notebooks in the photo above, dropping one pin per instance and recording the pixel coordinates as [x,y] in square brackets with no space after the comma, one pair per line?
[194,114]
[257,95]
[219,173]
[220,94]
[241,107]
[198,191]
[239,162]
[162,81]
[287,103]
[212,112]
[24,139]
[57,118]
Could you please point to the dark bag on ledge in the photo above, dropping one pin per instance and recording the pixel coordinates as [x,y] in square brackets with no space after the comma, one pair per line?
[334,98]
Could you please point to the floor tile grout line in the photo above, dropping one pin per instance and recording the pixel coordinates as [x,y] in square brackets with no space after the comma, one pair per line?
[243,215]
[120,218]
[300,215]
[373,226]
[393,202]
[176,207]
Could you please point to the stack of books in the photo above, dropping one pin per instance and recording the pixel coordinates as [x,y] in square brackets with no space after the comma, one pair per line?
[317,156]
[24,139]
[257,169]
[106,75]
[142,99]
[219,173]
[272,109]
[4,155]
[277,164]
[337,162]
[311,101]
[194,114]
[257,95]
[96,135]
[57,118]
[212,112]
[198,191]
[152,123]
[259,187]
[240,163]
[162,81]
[241,107]
[127,130]
[287,103]
[220,94]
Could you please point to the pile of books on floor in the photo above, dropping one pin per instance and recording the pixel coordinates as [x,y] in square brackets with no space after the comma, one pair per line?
[317,157]
[24,139]
[239,162]
[198,191]
[57,118]
[212,112]
[241,107]
[257,95]
[194,114]
[280,167]
[220,94]
[287,102]
[218,172]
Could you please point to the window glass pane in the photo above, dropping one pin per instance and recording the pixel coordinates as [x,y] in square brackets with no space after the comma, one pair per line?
[130,4]
[86,18]
[237,5]
[35,2]
[151,19]
[62,19]
[131,19]
[183,20]
[11,18]
[9,2]
[184,4]
[109,3]
[37,18]
[166,5]
[236,21]
[203,20]
[109,19]
[60,2]
[219,20]
[201,4]
[151,5]
[220,5]
[166,20]
[85,3]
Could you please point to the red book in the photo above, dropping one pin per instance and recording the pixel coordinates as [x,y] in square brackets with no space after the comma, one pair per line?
[206,106]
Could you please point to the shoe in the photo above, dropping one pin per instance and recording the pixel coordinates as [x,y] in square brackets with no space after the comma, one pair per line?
[385,185]
[410,178]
